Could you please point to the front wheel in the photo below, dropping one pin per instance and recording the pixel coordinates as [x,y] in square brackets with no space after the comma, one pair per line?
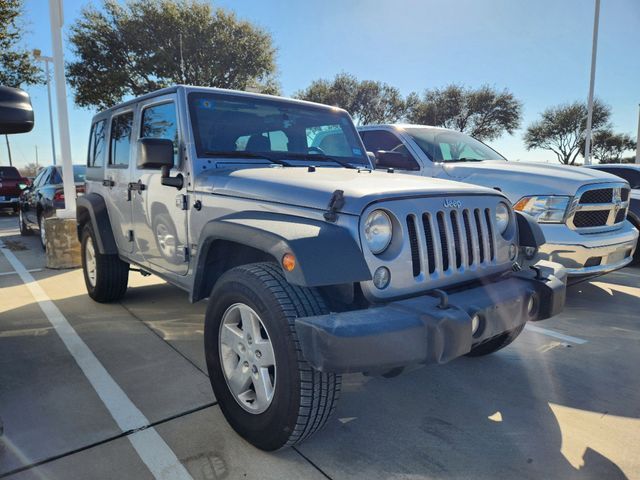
[105,276]
[496,343]
[266,390]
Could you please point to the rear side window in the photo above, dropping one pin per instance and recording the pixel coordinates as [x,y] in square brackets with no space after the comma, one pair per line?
[97,145]
[120,143]
[631,176]
[160,121]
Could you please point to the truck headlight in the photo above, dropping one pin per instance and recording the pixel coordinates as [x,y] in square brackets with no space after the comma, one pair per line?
[378,231]
[544,208]
[503,216]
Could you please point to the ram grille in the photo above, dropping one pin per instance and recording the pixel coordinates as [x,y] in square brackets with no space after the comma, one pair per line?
[597,207]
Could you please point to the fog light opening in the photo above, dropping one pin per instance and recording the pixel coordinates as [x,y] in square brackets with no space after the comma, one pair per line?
[476,322]
[381,277]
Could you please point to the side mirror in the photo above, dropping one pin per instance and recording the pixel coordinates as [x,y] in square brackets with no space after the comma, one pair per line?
[16,113]
[394,160]
[155,153]
[158,153]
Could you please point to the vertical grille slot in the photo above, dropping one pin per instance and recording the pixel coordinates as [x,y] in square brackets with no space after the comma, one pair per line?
[413,240]
[426,222]
[476,213]
[467,229]
[444,245]
[492,247]
[456,238]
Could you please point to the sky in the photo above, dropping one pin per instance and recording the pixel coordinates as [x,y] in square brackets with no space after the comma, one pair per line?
[540,50]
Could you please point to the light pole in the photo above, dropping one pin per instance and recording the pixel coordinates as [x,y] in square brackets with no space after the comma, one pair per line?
[38,56]
[594,51]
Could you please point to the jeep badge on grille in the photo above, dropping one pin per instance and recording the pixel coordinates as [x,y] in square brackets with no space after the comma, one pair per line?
[448,203]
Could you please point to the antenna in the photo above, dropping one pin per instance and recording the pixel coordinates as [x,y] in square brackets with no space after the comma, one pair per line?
[184,80]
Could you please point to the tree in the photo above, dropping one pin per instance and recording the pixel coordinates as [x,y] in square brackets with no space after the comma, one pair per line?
[30,170]
[484,113]
[144,45]
[608,147]
[17,67]
[562,129]
[367,101]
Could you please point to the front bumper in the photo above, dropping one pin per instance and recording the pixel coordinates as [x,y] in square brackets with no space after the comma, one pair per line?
[419,331]
[586,255]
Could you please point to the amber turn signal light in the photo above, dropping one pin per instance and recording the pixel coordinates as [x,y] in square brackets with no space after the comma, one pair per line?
[288,262]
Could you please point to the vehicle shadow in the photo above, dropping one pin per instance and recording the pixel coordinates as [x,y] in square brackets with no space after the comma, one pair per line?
[519,413]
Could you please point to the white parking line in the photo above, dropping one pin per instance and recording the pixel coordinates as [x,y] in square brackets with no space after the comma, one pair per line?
[554,334]
[152,449]
[2,274]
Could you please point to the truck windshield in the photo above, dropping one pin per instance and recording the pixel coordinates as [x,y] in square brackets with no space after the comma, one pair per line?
[231,124]
[449,146]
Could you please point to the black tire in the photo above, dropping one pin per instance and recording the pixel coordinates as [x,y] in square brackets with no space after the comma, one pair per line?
[24,230]
[112,274]
[41,231]
[496,343]
[303,398]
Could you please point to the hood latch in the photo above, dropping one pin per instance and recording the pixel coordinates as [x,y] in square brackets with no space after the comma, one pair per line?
[335,204]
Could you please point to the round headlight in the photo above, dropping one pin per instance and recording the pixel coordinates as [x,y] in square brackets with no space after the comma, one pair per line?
[502,217]
[378,231]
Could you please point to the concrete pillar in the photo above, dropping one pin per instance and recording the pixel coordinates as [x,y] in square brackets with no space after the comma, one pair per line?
[63,248]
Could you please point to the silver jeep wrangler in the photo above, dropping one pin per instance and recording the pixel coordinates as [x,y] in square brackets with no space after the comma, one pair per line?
[314,264]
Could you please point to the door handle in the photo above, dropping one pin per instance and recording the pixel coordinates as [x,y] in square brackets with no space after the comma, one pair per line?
[107,182]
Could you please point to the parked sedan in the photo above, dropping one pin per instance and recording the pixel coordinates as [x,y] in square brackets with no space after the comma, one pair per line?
[631,173]
[44,197]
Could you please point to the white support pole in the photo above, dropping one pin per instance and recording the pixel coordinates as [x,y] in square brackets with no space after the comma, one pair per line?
[594,51]
[55,16]
[638,138]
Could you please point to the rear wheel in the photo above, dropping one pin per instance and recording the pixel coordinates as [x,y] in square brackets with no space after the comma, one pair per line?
[266,390]
[42,231]
[496,343]
[105,276]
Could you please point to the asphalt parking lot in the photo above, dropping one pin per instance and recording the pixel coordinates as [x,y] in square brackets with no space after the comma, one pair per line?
[121,391]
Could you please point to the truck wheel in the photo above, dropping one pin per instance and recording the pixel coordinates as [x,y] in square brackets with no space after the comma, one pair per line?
[24,230]
[106,276]
[496,343]
[266,390]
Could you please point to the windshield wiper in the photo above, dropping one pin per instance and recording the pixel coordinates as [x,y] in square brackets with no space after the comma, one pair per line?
[321,157]
[242,154]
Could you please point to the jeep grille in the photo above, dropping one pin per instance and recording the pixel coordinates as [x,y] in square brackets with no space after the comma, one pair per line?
[453,240]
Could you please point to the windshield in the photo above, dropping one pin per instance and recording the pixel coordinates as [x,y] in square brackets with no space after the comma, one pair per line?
[232,124]
[450,146]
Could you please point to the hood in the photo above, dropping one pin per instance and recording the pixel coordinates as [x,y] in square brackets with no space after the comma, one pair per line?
[520,179]
[301,187]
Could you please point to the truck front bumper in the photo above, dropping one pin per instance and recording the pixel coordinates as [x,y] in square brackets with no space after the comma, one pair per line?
[421,330]
[586,255]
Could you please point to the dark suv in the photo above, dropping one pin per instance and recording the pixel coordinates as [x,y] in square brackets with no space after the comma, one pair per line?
[10,181]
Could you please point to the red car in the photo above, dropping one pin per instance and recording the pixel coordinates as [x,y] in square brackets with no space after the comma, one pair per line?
[10,181]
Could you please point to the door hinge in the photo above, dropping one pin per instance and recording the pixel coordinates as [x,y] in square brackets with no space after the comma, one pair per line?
[182,202]
[130,235]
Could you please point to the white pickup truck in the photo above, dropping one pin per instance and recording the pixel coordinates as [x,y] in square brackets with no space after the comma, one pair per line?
[582,211]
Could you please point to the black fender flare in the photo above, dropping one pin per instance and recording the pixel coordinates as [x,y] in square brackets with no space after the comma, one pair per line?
[92,208]
[529,232]
[326,254]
